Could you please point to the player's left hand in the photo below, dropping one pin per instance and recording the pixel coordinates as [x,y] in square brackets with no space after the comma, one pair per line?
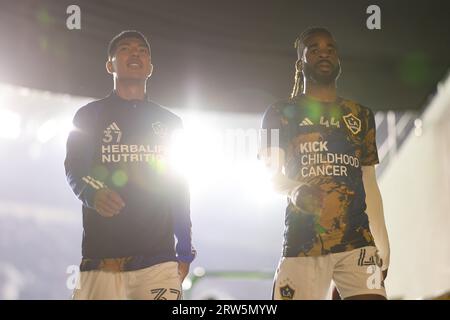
[183,269]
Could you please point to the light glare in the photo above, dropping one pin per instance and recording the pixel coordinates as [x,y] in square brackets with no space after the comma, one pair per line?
[9,124]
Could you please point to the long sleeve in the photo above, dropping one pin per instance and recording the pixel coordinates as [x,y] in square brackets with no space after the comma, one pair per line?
[79,159]
[374,201]
[376,215]
[180,208]
[181,211]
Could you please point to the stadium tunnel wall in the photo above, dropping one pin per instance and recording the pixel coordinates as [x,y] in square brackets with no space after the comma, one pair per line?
[416,195]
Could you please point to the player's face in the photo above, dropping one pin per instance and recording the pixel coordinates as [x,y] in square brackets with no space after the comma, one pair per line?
[320,59]
[131,60]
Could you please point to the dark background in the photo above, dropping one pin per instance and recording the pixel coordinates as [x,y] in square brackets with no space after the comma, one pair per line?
[229,55]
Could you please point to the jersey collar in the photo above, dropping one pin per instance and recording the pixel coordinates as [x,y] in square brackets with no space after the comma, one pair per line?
[128,103]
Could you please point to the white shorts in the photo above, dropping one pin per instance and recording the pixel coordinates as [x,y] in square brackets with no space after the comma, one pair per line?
[354,272]
[158,282]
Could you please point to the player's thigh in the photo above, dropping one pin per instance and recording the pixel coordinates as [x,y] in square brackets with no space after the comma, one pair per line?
[357,274]
[159,282]
[302,278]
[99,285]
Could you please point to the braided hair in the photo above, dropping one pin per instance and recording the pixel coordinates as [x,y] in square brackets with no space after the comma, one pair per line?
[299,44]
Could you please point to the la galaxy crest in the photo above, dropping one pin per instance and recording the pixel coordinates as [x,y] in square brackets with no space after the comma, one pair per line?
[159,129]
[287,293]
[352,123]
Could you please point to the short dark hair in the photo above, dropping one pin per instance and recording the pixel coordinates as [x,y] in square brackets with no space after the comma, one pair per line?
[300,41]
[123,35]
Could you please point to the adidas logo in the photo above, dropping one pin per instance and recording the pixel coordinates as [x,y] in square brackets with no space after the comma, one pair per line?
[306,122]
[113,127]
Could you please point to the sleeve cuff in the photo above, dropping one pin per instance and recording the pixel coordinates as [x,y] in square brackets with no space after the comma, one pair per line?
[188,258]
[88,194]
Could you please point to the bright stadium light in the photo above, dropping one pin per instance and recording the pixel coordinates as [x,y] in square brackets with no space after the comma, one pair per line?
[197,151]
[65,126]
[59,127]
[47,131]
[10,124]
[209,156]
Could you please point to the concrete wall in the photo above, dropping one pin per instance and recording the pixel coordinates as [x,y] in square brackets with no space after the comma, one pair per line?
[416,195]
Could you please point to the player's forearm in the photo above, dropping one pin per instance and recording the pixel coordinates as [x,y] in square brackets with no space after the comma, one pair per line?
[184,249]
[376,220]
[274,159]
[183,232]
[84,187]
[78,165]
[378,228]
[180,208]
[283,184]
[82,183]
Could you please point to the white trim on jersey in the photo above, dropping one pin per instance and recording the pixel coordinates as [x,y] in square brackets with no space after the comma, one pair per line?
[93,183]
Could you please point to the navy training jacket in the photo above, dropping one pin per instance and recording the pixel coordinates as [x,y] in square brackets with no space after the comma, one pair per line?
[122,145]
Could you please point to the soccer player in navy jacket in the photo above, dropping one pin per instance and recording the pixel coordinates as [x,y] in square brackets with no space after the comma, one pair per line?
[134,205]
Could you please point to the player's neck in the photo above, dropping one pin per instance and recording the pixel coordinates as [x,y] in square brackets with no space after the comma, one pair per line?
[130,90]
[326,93]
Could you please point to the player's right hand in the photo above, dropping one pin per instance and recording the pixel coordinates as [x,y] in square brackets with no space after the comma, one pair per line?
[108,203]
[308,198]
